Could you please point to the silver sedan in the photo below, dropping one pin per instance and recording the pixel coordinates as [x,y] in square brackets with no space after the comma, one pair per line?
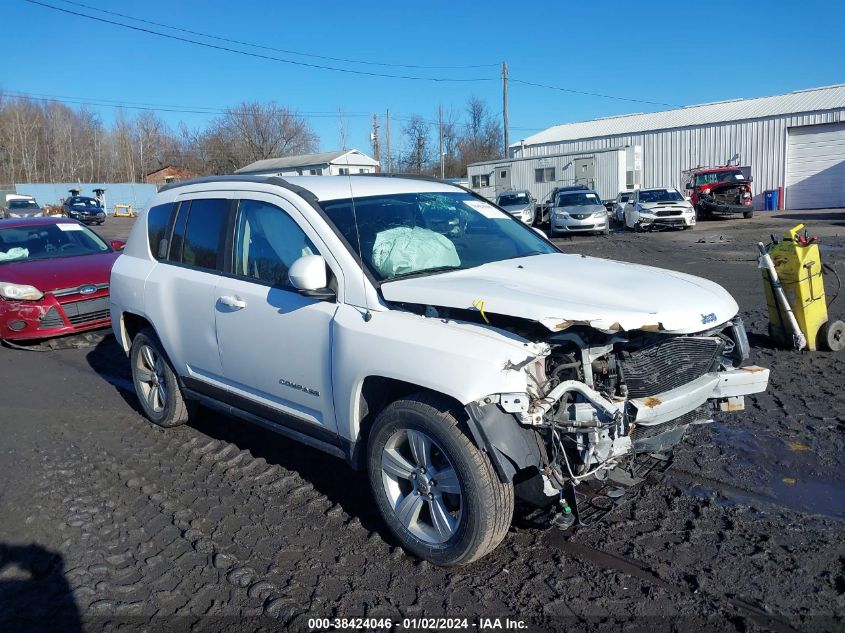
[578,212]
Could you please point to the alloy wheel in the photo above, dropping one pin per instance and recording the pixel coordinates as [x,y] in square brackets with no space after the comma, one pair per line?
[422,486]
[149,370]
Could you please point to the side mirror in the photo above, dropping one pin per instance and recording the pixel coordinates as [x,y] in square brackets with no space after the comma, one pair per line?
[308,275]
[118,245]
[687,198]
[540,233]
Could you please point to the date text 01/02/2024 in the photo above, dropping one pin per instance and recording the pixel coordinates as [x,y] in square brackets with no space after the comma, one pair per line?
[422,623]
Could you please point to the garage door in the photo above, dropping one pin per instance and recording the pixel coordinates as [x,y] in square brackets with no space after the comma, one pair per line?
[815,167]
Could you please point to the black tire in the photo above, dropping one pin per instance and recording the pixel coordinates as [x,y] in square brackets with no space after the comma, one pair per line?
[175,410]
[486,504]
[831,336]
[747,214]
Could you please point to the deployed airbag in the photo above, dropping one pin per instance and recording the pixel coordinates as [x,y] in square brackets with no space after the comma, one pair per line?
[405,250]
[14,253]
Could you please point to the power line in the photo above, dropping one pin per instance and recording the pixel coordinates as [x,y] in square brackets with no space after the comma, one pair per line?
[156,107]
[271,48]
[258,55]
[177,109]
[593,94]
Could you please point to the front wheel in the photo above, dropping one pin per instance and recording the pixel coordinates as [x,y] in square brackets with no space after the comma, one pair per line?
[436,491]
[748,214]
[156,384]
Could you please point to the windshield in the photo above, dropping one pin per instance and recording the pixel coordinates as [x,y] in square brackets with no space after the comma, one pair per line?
[624,197]
[731,175]
[513,199]
[84,203]
[660,195]
[23,204]
[577,199]
[46,241]
[425,233]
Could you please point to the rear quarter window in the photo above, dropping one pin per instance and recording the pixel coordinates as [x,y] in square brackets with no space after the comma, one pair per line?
[158,219]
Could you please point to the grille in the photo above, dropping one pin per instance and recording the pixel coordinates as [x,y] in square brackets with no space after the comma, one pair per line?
[663,214]
[64,292]
[581,216]
[668,364]
[642,432]
[87,311]
[50,320]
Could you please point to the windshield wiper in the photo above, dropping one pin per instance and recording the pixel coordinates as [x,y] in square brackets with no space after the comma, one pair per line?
[423,273]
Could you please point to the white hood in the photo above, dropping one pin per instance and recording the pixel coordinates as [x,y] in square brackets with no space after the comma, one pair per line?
[560,290]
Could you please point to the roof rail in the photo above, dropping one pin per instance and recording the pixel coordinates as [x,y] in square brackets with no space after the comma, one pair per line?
[392,174]
[269,180]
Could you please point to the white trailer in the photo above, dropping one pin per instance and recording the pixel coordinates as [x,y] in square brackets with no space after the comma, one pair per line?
[607,171]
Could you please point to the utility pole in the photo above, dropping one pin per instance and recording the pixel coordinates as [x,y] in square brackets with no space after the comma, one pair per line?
[505,105]
[389,155]
[442,159]
[374,136]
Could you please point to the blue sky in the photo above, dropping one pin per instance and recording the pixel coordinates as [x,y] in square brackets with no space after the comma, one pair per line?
[652,51]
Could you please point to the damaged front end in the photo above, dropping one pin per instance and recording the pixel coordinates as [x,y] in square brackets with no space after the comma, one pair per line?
[595,399]
[725,198]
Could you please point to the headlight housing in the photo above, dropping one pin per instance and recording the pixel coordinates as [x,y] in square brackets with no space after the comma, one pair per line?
[19,292]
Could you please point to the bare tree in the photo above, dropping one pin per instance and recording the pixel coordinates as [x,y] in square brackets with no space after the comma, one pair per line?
[255,131]
[481,138]
[417,153]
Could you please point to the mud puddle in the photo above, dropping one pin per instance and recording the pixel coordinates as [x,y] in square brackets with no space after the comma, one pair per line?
[765,470]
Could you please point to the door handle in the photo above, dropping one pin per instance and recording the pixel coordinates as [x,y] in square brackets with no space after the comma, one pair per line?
[232,302]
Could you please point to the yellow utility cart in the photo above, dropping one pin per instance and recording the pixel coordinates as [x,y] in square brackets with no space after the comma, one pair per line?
[798,267]
[124,211]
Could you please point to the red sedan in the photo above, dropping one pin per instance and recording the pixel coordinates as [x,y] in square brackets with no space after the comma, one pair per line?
[54,278]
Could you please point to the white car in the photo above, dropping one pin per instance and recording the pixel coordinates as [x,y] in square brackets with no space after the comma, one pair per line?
[417,331]
[622,199]
[658,208]
[520,204]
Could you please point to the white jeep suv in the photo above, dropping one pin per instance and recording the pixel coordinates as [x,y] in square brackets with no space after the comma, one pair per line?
[419,332]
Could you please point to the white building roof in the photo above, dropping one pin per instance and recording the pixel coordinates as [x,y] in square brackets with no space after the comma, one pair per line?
[338,157]
[811,100]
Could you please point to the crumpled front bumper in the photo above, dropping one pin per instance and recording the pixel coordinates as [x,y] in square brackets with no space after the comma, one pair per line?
[723,385]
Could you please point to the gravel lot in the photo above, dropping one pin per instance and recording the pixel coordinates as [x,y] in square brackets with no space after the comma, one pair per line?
[107,522]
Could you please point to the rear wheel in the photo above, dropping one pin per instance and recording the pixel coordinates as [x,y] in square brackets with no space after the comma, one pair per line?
[437,492]
[156,384]
[747,214]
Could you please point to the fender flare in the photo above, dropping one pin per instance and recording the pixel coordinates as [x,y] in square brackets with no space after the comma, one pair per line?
[510,446]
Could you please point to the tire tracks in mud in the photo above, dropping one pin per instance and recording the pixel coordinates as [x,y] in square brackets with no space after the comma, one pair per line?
[166,526]
[642,571]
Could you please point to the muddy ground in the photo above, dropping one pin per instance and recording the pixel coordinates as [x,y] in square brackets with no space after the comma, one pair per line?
[107,522]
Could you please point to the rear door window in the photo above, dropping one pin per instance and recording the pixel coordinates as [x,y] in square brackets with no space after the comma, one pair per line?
[200,233]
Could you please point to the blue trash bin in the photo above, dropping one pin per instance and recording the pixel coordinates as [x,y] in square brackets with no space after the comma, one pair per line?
[772,200]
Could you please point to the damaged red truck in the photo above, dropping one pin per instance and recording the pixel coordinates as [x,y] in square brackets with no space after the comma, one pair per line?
[719,191]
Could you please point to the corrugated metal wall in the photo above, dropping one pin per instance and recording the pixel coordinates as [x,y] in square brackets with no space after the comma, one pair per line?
[760,143]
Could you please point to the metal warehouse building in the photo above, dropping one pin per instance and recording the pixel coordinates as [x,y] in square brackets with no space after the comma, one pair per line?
[795,141]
